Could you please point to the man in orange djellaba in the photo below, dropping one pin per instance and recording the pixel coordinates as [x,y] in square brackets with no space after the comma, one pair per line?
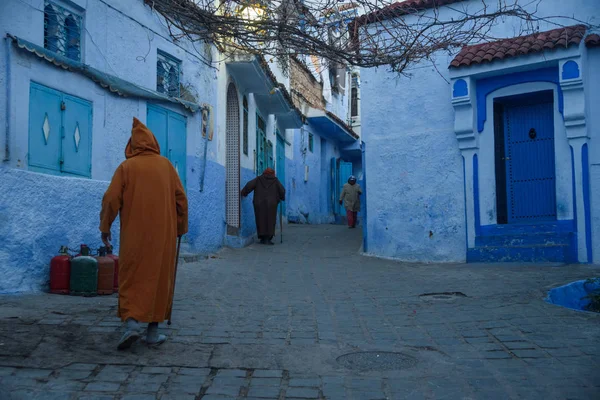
[147,193]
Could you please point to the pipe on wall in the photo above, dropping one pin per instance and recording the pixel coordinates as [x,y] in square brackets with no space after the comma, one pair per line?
[8,99]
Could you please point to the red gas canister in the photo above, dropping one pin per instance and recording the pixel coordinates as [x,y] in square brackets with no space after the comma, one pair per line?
[60,272]
[106,272]
[115,258]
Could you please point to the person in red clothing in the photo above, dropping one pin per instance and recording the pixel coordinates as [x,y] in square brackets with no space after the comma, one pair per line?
[350,198]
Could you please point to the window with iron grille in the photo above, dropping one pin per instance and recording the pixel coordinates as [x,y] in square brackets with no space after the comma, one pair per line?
[354,97]
[311,142]
[168,70]
[62,30]
[245,127]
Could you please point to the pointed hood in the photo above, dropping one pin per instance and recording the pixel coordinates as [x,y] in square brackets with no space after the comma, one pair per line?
[142,141]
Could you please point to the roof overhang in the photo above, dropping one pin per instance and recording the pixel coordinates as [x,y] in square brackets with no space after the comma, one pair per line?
[331,127]
[252,73]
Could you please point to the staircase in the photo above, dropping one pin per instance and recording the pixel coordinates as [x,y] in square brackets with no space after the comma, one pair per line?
[525,243]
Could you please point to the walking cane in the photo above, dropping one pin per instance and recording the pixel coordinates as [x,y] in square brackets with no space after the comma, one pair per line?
[174,278]
[281,220]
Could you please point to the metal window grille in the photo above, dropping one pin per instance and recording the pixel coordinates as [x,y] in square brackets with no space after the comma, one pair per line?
[354,97]
[311,142]
[62,31]
[245,132]
[168,70]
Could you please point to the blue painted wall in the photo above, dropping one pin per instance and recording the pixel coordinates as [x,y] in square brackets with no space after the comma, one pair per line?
[414,167]
[309,202]
[38,214]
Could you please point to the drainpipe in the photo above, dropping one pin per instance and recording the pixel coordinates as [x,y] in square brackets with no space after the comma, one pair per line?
[8,95]
[204,160]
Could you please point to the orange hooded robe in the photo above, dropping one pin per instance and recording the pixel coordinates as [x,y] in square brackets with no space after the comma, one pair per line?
[147,192]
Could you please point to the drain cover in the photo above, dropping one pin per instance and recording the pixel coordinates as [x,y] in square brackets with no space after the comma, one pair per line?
[376,361]
[444,296]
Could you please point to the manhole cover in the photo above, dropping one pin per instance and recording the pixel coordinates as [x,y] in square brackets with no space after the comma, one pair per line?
[444,296]
[376,361]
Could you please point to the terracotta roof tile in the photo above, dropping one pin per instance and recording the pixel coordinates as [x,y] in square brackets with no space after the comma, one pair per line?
[402,8]
[592,40]
[522,45]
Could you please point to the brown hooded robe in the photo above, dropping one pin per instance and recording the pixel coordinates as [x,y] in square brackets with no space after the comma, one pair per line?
[147,192]
[268,192]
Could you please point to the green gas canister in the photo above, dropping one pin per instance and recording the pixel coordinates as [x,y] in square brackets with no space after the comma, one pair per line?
[84,274]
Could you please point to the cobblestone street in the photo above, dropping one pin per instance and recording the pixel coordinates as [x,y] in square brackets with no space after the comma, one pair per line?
[270,323]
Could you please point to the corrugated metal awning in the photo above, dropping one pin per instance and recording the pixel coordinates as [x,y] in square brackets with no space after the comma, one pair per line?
[112,83]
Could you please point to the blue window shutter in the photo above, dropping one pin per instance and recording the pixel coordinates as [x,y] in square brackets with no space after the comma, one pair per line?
[157,122]
[77,136]
[45,129]
[177,144]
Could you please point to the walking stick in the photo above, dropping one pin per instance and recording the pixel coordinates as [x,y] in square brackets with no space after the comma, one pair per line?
[281,220]
[174,278]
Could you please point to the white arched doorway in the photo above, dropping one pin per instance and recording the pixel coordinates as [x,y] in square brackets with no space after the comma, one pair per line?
[232,162]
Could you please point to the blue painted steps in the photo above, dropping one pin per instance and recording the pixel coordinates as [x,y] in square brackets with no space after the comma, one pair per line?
[545,241]
[524,239]
[530,253]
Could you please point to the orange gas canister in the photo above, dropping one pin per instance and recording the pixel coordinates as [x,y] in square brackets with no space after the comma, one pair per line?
[60,272]
[115,258]
[106,272]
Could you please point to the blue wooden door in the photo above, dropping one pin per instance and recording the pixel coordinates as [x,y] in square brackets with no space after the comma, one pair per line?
[530,161]
[280,165]
[77,137]
[45,129]
[343,175]
[170,129]
[333,185]
[177,144]
[157,120]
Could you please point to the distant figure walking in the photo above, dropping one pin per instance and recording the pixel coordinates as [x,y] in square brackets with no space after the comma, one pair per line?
[268,192]
[147,193]
[350,198]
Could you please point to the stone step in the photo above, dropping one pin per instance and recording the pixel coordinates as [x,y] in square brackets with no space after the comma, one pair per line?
[531,254]
[531,239]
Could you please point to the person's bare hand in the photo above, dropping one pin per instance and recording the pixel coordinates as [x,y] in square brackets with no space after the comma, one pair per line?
[106,238]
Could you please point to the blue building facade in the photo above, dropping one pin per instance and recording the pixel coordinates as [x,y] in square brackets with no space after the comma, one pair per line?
[494,159]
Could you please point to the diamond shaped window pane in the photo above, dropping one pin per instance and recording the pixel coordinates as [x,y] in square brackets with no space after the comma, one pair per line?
[46,128]
[77,137]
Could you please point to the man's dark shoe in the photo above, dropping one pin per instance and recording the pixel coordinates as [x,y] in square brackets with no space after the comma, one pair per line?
[270,242]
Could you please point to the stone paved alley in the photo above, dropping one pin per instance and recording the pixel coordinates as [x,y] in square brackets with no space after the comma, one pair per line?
[270,322]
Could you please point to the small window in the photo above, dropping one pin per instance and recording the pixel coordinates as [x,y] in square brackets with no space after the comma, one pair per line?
[311,142]
[168,70]
[354,97]
[62,30]
[245,127]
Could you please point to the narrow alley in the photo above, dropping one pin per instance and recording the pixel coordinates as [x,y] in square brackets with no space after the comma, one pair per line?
[271,322]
